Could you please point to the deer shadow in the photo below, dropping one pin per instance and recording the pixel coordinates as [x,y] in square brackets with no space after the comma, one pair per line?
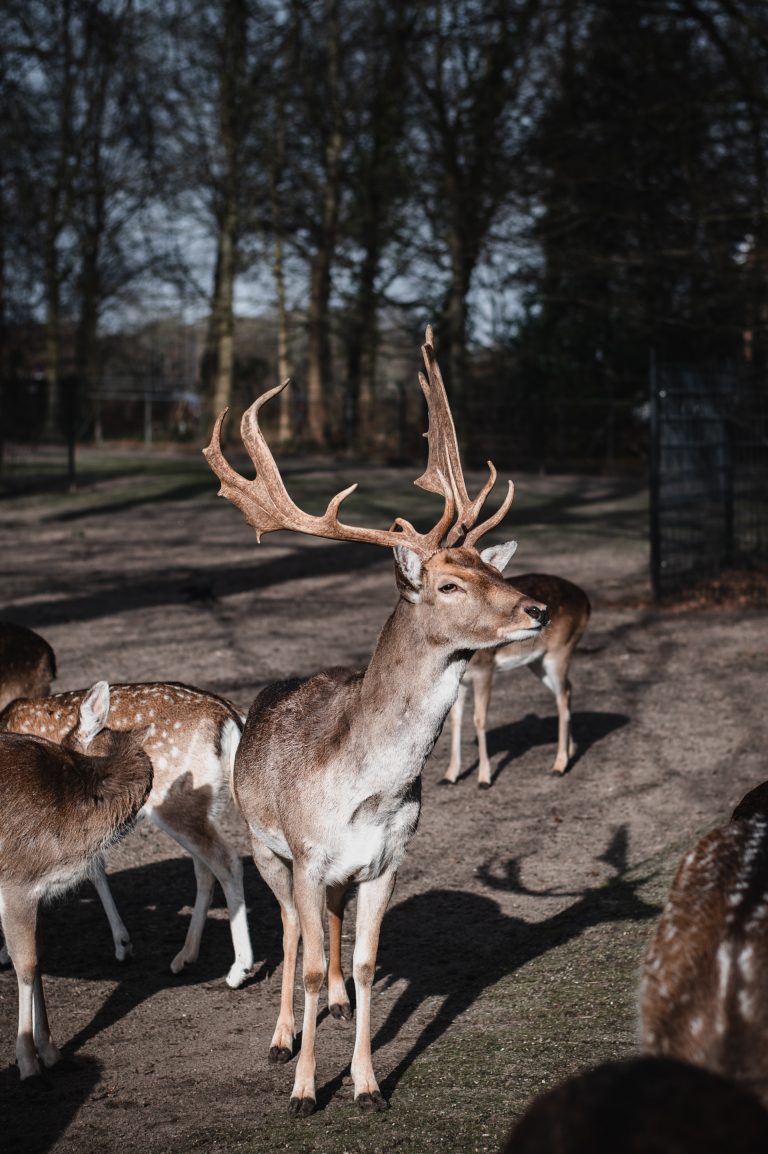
[518,737]
[35,1116]
[453,945]
[76,941]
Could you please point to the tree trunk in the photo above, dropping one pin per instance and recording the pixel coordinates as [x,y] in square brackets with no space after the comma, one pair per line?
[318,324]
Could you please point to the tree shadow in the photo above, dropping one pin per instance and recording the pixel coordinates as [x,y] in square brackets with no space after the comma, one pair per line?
[453,945]
[201,583]
[518,737]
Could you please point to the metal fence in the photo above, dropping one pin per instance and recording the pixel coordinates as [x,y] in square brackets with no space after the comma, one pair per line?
[709,475]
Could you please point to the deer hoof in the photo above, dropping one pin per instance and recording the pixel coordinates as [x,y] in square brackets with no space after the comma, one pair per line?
[281,1054]
[301,1107]
[483,785]
[341,1010]
[374,1101]
[447,781]
[124,951]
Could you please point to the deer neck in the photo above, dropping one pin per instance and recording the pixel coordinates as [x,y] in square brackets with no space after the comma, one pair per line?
[410,684]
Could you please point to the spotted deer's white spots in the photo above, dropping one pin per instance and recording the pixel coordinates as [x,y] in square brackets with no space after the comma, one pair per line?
[188,768]
[746,962]
[697,1025]
[745,1004]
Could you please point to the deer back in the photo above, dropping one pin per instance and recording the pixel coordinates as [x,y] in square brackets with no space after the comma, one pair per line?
[193,733]
[704,991]
[27,663]
[61,807]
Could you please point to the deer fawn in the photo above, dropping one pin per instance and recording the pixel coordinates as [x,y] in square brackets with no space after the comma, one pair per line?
[327,774]
[703,992]
[27,663]
[61,805]
[192,747]
[547,655]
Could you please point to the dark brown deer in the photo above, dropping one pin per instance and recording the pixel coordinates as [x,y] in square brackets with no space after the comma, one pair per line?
[27,663]
[327,774]
[639,1106]
[62,805]
[192,746]
[547,655]
[704,991]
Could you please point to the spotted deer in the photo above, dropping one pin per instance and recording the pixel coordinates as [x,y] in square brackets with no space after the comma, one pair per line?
[703,992]
[27,663]
[547,655]
[62,805]
[192,746]
[327,774]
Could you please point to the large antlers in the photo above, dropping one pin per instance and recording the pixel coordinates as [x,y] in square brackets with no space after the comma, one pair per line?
[265,504]
[443,470]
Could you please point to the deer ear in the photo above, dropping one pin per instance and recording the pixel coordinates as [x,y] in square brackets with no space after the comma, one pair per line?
[94,710]
[499,555]
[408,568]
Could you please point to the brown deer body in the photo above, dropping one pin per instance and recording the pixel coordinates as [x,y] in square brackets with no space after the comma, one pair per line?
[704,991]
[547,655]
[62,805]
[642,1106]
[327,772]
[27,663]
[192,746]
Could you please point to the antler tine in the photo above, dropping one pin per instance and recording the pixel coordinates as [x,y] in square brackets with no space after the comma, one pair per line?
[444,474]
[480,530]
[266,505]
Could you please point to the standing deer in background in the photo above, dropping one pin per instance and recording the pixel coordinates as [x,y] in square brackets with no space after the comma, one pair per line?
[192,747]
[62,805]
[547,655]
[27,663]
[327,774]
[704,991]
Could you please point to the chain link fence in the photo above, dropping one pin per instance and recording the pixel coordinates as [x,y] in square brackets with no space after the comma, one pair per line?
[708,475]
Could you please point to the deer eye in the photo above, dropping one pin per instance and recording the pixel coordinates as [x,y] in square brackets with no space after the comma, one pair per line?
[449,587]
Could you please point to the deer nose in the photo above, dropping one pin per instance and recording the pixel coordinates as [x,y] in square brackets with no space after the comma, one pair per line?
[538,613]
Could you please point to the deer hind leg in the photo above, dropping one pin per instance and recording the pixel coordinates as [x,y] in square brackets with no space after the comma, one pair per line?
[310,898]
[372,901]
[457,712]
[483,683]
[33,1039]
[120,935]
[553,673]
[212,856]
[278,875]
[338,1002]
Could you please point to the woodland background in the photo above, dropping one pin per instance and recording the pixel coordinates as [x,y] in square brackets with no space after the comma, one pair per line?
[201,197]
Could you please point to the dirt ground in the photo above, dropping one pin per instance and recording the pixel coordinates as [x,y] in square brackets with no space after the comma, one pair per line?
[510,952]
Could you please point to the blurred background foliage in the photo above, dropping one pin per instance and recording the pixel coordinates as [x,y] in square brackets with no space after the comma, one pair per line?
[201,197]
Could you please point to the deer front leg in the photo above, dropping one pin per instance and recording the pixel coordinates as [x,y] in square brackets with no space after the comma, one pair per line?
[457,711]
[120,935]
[483,682]
[19,914]
[372,901]
[189,952]
[279,877]
[555,677]
[310,902]
[338,1002]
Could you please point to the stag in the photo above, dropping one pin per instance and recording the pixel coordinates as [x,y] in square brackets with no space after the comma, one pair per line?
[327,774]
